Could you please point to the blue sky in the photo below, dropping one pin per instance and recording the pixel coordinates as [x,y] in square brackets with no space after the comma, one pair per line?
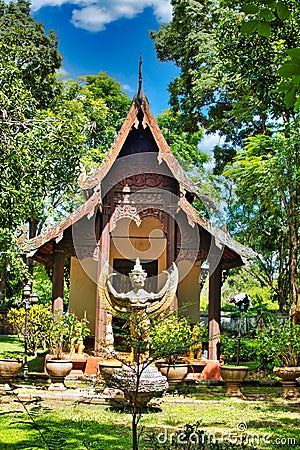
[109,36]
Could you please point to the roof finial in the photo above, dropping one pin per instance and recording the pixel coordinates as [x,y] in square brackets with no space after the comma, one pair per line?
[140,90]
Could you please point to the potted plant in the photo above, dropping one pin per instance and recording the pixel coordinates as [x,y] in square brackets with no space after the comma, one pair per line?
[234,375]
[171,338]
[10,365]
[61,331]
[279,346]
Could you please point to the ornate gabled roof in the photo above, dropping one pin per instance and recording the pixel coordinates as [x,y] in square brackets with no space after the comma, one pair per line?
[141,116]
[94,179]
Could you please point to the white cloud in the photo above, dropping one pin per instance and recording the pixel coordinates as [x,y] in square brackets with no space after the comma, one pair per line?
[94,15]
[128,88]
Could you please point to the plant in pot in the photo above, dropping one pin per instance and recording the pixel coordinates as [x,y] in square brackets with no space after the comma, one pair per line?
[60,333]
[10,366]
[279,350]
[171,338]
[234,375]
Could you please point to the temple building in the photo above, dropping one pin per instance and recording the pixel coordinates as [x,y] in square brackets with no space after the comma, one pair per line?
[139,203]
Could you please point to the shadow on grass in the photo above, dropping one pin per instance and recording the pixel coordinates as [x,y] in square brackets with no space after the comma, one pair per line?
[62,434]
[9,339]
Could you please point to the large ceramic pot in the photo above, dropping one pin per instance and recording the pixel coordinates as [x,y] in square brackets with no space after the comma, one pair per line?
[108,368]
[9,369]
[175,373]
[288,377]
[233,377]
[57,370]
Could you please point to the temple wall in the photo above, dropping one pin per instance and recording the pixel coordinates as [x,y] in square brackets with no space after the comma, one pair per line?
[146,241]
[83,289]
[189,290]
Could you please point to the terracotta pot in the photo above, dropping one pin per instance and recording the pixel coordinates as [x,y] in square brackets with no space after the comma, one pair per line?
[233,377]
[175,373]
[288,377]
[9,369]
[58,369]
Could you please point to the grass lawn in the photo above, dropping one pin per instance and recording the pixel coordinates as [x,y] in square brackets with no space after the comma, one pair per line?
[269,421]
[13,344]
[77,426]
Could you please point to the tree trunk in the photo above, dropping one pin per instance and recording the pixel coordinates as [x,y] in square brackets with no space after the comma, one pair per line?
[135,444]
[294,286]
[33,223]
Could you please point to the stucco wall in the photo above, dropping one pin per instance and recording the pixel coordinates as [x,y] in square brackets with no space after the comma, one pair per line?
[189,290]
[83,289]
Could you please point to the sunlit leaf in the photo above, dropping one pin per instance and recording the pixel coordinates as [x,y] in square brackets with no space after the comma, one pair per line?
[288,70]
[264,29]
[250,8]
[282,11]
[294,52]
[249,27]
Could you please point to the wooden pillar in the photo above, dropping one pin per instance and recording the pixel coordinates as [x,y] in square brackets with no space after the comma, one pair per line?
[58,280]
[214,307]
[103,256]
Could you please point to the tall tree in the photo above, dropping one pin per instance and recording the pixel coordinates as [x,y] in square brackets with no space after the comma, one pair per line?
[228,80]
[229,53]
[25,45]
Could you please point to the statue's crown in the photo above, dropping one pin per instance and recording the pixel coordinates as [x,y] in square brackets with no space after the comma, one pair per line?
[138,268]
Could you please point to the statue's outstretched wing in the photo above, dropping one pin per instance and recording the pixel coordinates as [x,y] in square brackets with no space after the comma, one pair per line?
[112,305]
[160,305]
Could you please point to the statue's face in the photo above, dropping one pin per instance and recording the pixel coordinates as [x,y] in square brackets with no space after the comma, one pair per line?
[137,279]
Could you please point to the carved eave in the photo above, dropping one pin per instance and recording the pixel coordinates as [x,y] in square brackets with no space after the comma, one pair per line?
[55,234]
[234,254]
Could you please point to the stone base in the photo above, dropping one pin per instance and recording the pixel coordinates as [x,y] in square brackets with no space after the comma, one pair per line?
[290,390]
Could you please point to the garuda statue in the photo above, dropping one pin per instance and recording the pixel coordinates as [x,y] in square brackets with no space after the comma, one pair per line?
[138,305]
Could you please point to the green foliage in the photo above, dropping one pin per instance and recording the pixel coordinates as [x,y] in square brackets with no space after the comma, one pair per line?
[37,316]
[249,349]
[266,175]
[279,345]
[62,331]
[57,332]
[27,50]
[171,337]
[105,106]
[264,18]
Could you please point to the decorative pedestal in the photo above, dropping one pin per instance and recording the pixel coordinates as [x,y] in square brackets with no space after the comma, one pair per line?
[151,384]
[288,377]
[78,368]
[233,377]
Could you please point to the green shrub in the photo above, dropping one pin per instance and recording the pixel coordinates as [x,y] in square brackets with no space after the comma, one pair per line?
[249,349]
[279,345]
